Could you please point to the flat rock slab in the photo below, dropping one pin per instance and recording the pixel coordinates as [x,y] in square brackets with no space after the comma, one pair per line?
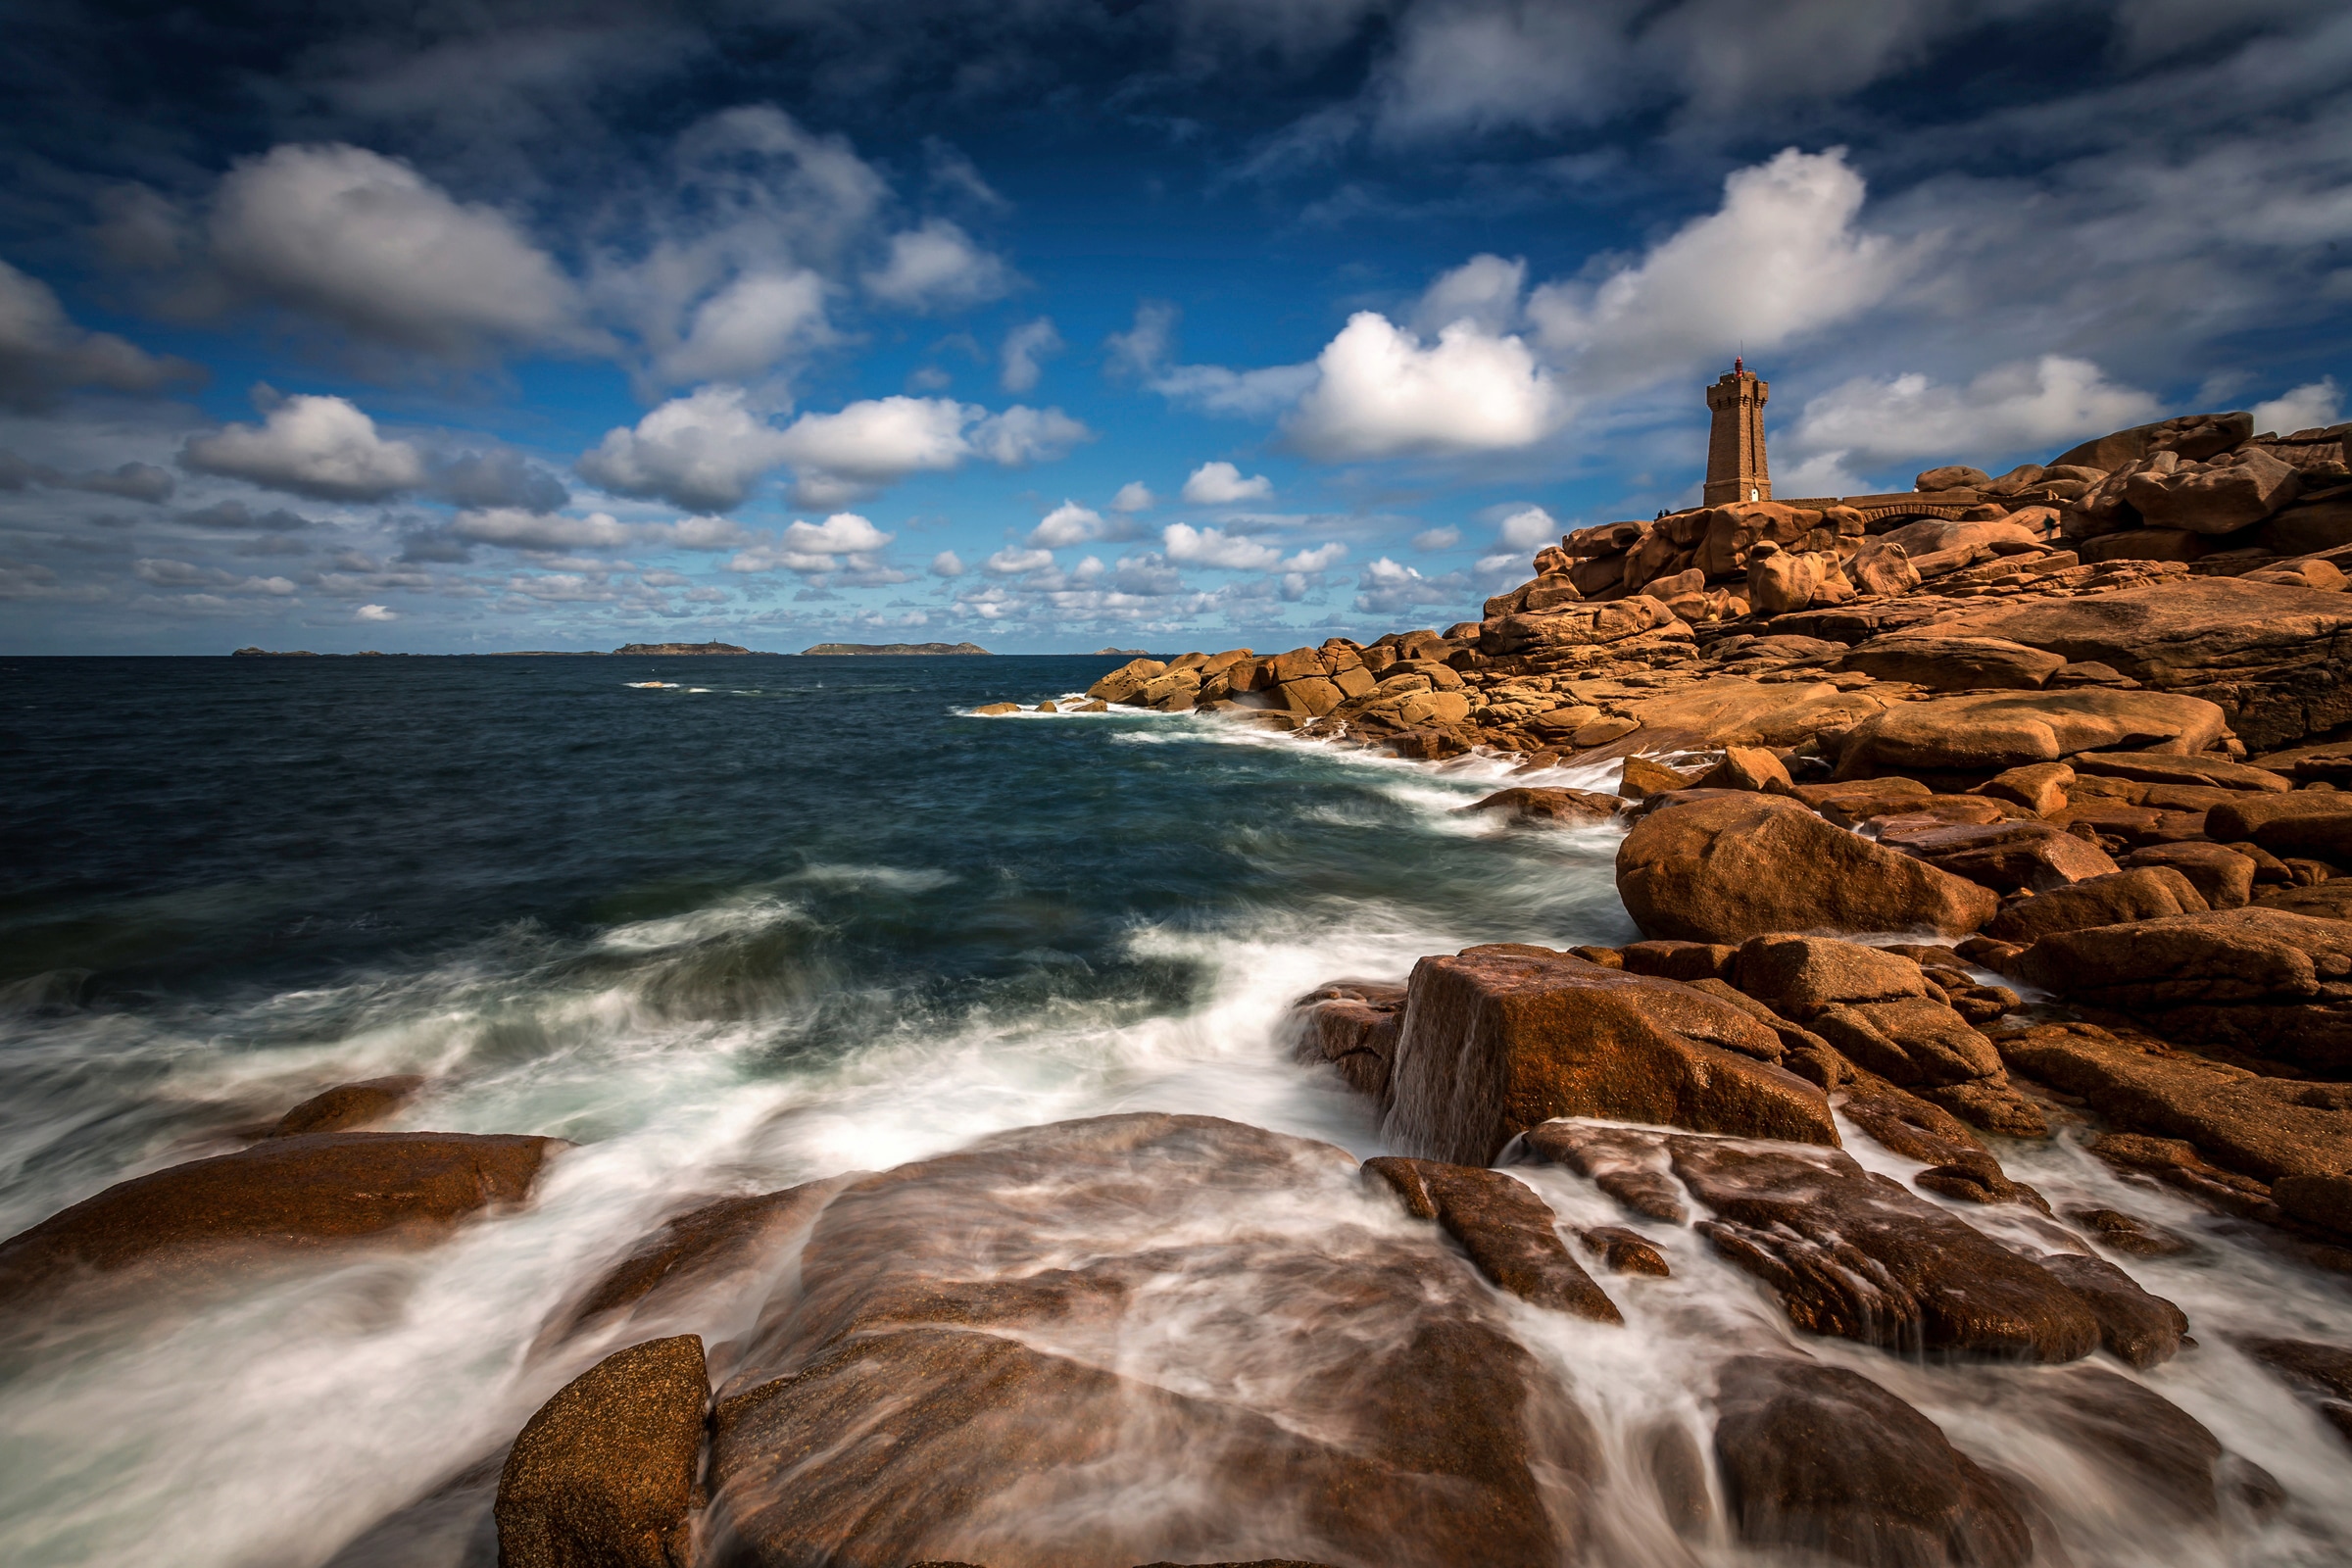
[1731,867]
[2277,661]
[282,1195]
[1501,1038]
[2223,956]
[2263,1127]
[1994,732]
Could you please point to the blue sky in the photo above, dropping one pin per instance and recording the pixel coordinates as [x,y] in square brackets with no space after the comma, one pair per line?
[1062,324]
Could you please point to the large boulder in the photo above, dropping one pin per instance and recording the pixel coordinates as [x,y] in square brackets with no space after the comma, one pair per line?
[1574,626]
[1501,1038]
[2223,955]
[709,1244]
[605,1473]
[283,1195]
[1825,1462]
[2276,659]
[1996,731]
[1737,865]
[2144,893]
[2215,498]
[2006,857]
[2194,436]
[1139,1339]
[1125,681]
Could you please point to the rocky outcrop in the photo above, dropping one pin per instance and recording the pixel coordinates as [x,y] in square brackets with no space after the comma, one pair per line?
[609,1471]
[1496,1040]
[283,1195]
[1737,865]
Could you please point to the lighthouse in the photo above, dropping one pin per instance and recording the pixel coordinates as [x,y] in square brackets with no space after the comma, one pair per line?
[1736,465]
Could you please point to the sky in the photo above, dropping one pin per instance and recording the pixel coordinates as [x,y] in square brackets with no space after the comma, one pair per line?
[1064,324]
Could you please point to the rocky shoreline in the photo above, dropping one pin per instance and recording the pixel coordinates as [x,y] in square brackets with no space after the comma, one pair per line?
[2083,804]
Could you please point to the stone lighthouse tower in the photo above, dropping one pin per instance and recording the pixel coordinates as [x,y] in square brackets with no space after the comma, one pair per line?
[1735,466]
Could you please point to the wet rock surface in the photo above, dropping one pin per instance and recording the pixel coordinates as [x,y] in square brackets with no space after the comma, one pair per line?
[609,1469]
[964,1372]
[284,1194]
[1824,1460]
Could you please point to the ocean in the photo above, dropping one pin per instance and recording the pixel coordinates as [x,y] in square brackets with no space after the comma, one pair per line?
[768,919]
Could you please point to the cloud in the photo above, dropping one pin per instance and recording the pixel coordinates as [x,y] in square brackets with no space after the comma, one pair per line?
[746,325]
[518,528]
[1437,539]
[938,267]
[844,543]
[1528,527]
[2306,406]
[1067,524]
[165,573]
[1780,258]
[1011,562]
[1025,346]
[314,446]
[1220,551]
[234,514]
[946,563]
[1142,354]
[705,451]
[375,613]
[498,478]
[1219,484]
[1483,291]
[369,244]
[1134,496]
[2037,406]
[133,481]
[1380,392]
[1387,588]
[1020,436]
[43,355]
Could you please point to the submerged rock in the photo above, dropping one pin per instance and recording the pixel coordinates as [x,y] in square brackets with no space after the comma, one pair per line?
[1505,1228]
[349,1105]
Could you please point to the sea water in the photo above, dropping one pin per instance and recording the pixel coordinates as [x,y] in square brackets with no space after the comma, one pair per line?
[770,919]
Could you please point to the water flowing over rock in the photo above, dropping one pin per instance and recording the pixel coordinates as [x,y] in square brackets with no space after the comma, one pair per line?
[1001,1355]
[283,1195]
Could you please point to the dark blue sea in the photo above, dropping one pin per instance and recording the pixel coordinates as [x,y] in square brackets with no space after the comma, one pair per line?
[727,925]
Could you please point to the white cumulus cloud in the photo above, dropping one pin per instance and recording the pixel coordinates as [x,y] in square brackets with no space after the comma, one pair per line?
[1134,496]
[375,613]
[1067,524]
[1214,547]
[1528,527]
[1011,562]
[518,528]
[1219,484]
[946,563]
[314,446]
[1382,392]
[844,541]
[1780,258]
[44,354]
[703,452]
[2306,406]
[368,243]
[2037,406]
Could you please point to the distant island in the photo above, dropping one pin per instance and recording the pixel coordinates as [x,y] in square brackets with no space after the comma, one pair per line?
[1123,653]
[895,648]
[302,652]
